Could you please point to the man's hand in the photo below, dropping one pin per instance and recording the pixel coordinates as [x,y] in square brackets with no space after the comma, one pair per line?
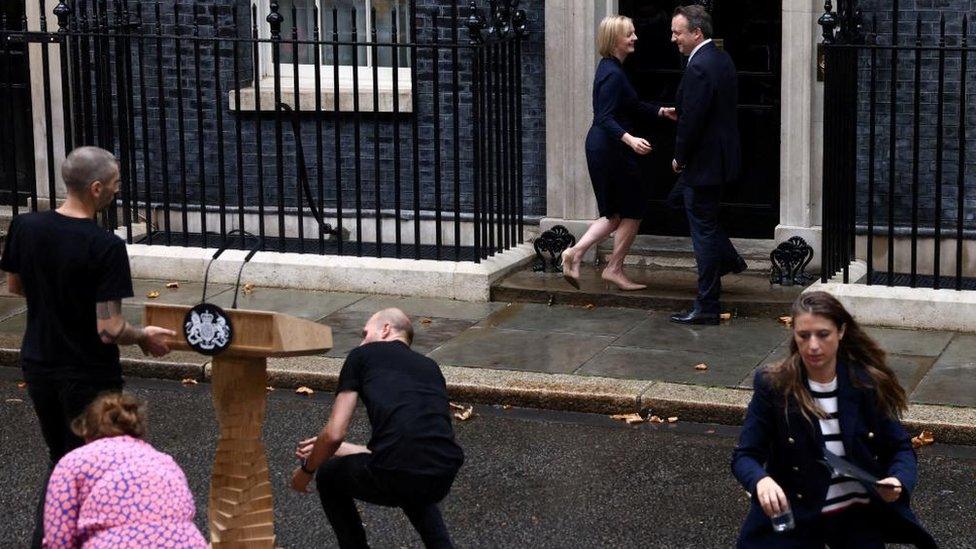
[155,340]
[670,113]
[676,167]
[889,489]
[304,448]
[300,480]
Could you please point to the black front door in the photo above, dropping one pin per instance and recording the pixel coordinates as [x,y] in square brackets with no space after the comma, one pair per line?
[750,31]
[16,128]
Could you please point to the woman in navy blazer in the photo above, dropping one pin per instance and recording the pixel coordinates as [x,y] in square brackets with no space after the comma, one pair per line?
[611,155]
[834,391]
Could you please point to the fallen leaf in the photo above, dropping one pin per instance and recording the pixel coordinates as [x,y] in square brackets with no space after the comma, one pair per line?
[269,388]
[188,381]
[425,320]
[303,390]
[172,285]
[787,320]
[465,414]
[21,384]
[655,419]
[710,432]
[248,288]
[550,301]
[701,367]
[589,306]
[673,419]
[456,406]
[631,419]
[14,400]
[923,439]
[153,294]
[725,316]
[506,406]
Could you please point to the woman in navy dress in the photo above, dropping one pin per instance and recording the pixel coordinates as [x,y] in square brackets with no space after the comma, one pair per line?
[836,394]
[611,155]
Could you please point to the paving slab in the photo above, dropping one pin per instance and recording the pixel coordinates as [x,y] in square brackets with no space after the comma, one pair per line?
[428,307]
[429,333]
[520,350]
[910,369]
[300,303]
[188,293]
[745,336]
[910,342]
[724,370]
[565,319]
[10,306]
[952,379]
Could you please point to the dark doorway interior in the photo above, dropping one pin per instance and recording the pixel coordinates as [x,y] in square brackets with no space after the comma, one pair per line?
[750,30]
[16,130]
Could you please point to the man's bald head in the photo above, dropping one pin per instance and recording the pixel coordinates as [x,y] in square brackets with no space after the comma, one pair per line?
[387,325]
[85,165]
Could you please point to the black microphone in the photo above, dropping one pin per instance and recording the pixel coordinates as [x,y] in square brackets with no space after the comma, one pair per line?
[254,249]
[206,274]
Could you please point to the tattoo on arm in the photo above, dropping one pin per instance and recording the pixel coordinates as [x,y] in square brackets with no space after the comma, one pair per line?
[127,334]
[107,309]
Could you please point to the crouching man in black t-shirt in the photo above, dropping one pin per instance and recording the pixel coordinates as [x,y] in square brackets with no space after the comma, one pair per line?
[74,275]
[411,459]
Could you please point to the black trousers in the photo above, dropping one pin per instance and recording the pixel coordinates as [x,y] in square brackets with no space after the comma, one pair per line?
[57,403]
[714,252]
[342,480]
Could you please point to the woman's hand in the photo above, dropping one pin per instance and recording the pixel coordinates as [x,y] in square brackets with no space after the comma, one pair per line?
[771,497]
[638,144]
[889,489]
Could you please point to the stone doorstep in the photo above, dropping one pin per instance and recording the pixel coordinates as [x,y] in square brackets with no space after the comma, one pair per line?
[598,395]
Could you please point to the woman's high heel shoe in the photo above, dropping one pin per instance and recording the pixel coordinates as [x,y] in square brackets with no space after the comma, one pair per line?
[568,276]
[620,283]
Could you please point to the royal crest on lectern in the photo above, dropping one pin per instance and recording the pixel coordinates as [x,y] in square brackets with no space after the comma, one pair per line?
[207,329]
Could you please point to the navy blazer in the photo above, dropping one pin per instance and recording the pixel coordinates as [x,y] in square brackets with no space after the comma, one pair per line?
[707,141]
[778,441]
[616,106]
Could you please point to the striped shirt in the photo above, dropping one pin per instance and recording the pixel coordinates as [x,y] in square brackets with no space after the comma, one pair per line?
[843,491]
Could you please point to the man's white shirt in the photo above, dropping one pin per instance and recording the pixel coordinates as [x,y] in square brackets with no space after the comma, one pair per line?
[698,47]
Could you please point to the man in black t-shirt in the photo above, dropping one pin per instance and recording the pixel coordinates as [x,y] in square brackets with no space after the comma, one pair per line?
[411,459]
[74,275]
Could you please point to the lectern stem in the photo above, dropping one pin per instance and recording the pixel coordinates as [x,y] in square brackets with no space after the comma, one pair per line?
[241,512]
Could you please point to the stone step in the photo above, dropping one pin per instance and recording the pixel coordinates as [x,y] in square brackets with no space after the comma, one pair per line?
[745,294]
[675,252]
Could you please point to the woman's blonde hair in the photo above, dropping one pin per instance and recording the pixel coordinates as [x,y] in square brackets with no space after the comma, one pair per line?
[110,415]
[611,28]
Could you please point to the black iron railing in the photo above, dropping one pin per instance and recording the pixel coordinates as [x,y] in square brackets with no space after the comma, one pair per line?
[896,191]
[227,117]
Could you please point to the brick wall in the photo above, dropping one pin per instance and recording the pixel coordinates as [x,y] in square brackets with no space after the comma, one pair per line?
[880,12]
[161,106]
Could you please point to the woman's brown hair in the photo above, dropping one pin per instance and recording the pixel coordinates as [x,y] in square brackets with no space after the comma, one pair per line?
[857,350]
[111,415]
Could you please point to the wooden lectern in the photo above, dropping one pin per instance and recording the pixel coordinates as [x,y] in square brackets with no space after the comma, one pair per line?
[241,512]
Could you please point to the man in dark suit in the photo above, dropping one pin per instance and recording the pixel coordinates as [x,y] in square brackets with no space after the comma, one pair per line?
[706,155]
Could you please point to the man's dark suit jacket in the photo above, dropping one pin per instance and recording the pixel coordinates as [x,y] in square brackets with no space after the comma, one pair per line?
[707,143]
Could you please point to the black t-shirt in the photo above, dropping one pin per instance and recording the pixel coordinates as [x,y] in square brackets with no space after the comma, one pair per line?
[406,400]
[66,266]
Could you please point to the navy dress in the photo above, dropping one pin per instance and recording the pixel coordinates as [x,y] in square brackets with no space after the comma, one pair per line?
[778,441]
[612,164]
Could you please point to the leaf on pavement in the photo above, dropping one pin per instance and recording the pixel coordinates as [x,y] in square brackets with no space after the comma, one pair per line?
[631,419]
[425,320]
[701,367]
[923,439]
[153,294]
[786,320]
[725,316]
[303,390]
[269,388]
[248,288]
[188,381]
[172,285]
[21,384]
[655,419]
[465,414]
[589,306]
[673,419]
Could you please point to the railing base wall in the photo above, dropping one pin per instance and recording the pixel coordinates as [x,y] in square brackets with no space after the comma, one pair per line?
[464,281]
[901,307]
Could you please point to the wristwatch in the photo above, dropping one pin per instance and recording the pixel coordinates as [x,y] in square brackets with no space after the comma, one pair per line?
[304,467]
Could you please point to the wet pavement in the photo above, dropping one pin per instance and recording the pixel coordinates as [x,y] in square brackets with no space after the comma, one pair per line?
[585,340]
[530,479]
